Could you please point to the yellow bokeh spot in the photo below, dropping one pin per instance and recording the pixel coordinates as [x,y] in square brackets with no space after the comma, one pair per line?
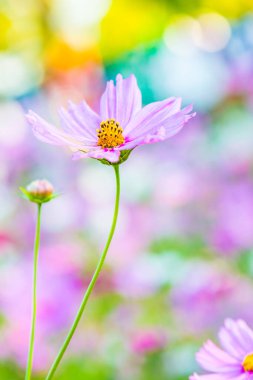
[130,24]
[61,56]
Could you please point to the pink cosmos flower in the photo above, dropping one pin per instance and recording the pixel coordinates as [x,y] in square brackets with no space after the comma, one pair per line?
[121,125]
[235,360]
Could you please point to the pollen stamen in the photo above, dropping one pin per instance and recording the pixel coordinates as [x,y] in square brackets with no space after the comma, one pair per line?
[110,134]
[248,363]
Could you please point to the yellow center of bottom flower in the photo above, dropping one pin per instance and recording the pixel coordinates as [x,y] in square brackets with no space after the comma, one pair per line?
[110,134]
[248,362]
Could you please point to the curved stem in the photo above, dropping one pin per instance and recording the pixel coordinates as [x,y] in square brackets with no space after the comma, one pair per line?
[93,280]
[34,309]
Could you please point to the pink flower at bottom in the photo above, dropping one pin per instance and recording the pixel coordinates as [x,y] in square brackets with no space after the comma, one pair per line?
[235,360]
[121,125]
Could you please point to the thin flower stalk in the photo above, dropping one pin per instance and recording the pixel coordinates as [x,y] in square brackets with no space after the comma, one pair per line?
[34,296]
[92,282]
[39,192]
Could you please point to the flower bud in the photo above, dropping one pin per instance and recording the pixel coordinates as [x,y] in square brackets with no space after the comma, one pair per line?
[40,188]
[39,191]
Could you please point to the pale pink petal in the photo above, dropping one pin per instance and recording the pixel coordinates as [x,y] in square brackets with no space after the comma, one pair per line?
[81,119]
[216,376]
[109,155]
[213,359]
[150,119]
[172,126]
[160,135]
[228,343]
[232,338]
[213,376]
[152,116]
[242,333]
[246,333]
[107,102]
[48,133]
[121,102]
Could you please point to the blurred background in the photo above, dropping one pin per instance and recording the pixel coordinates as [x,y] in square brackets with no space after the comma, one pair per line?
[182,258]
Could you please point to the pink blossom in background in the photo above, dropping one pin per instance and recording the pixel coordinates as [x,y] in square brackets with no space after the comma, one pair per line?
[213,294]
[205,293]
[59,281]
[146,341]
[233,229]
[234,361]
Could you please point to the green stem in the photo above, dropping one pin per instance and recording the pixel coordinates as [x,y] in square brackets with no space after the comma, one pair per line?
[93,280]
[34,308]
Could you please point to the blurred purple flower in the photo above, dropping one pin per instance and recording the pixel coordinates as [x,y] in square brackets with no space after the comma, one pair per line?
[215,293]
[211,293]
[235,360]
[121,125]
[59,280]
[233,225]
[148,341]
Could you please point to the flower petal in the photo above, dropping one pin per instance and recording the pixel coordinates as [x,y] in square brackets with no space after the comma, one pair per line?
[213,359]
[213,376]
[159,133]
[236,338]
[151,118]
[109,155]
[121,102]
[152,114]
[48,133]
[246,333]
[80,119]
[216,376]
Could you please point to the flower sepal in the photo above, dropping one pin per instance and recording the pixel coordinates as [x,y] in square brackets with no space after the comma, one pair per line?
[124,154]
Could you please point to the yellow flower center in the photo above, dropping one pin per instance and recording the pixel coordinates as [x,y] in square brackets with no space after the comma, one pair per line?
[110,134]
[248,362]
